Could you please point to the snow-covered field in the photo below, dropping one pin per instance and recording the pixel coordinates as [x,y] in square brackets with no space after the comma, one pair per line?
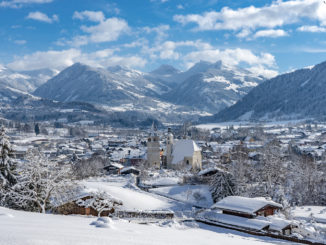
[309,212]
[132,197]
[198,195]
[24,228]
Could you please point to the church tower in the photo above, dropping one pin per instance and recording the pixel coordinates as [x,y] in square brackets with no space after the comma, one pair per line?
[169,147]
[153,148]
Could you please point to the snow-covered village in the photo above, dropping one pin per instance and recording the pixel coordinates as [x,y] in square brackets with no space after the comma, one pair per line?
[162,122]
[208,183]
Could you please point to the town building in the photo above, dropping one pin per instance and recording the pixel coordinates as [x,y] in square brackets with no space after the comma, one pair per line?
[182,153]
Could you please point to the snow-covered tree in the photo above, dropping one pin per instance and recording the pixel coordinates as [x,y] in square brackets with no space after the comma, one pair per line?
[39,180]
[93,166]
[222,185]
[100,201]
[7,177]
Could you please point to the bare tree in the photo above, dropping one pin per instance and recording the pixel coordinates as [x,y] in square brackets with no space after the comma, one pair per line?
[39,180]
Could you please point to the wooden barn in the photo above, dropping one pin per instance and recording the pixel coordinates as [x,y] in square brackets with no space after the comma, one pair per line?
[247,207]
[74,206]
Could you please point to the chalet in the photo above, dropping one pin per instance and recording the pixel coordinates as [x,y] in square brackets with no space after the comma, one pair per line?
[75,206]
[281,226]
[247,207]
[129,170]
[133,160]
[250,214]
[113,168]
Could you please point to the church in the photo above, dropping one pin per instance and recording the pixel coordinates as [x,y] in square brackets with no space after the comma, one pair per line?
[153,149]
[178,154]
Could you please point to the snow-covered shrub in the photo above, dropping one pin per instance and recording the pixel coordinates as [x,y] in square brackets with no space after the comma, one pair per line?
[84,168]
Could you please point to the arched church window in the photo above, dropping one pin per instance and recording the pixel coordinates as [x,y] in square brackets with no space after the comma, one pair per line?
[187,162]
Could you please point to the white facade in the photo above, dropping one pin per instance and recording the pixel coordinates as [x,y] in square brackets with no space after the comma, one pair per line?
[183,153]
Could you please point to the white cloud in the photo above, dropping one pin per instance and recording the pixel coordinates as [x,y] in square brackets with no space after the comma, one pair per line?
[263,71]
[64,58]
[48,59]
[20,42]
[107,30]
[271,33]
[260,64]
[167,49]
[112,8]
[96,16]
[311,29]
[277,14]
[244,33]
[160,30]
[21,3]
[39,16]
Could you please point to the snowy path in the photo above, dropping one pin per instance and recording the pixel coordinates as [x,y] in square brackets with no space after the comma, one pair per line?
[24,228]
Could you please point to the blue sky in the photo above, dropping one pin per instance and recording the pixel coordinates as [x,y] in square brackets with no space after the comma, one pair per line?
[268,37]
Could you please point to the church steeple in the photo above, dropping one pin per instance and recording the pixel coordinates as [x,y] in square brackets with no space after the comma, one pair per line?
[169,147]
[153,131]
[153,148]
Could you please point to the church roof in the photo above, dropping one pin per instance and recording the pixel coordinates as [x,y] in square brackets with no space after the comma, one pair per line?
[183,148]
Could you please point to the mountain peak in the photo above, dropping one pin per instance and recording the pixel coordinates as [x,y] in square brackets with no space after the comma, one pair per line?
[117,68]
[200,66]
[165,70]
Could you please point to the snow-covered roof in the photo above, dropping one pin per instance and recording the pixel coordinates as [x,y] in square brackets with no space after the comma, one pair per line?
[253,224]
[207,170]
[125,169]
[117,165]
[183,148]
[278,224]
[244,204]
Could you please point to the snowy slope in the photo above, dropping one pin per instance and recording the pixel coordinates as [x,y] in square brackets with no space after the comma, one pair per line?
[205,87]
[24,228]
[213,86]
[132,199]
[294,95]
[113,86]
[26,81]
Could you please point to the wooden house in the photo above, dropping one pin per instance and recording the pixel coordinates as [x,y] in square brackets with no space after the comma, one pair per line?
[73,207]
[113,168]
[129,170]
[247,207]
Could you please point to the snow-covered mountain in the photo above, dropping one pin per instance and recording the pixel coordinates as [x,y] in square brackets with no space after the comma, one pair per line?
[113,86]
[206,87]
[26,81]
[299,94]
[213,86]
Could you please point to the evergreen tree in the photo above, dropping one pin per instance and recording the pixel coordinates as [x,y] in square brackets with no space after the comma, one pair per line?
[7,177]
[222,185]
[37,129]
